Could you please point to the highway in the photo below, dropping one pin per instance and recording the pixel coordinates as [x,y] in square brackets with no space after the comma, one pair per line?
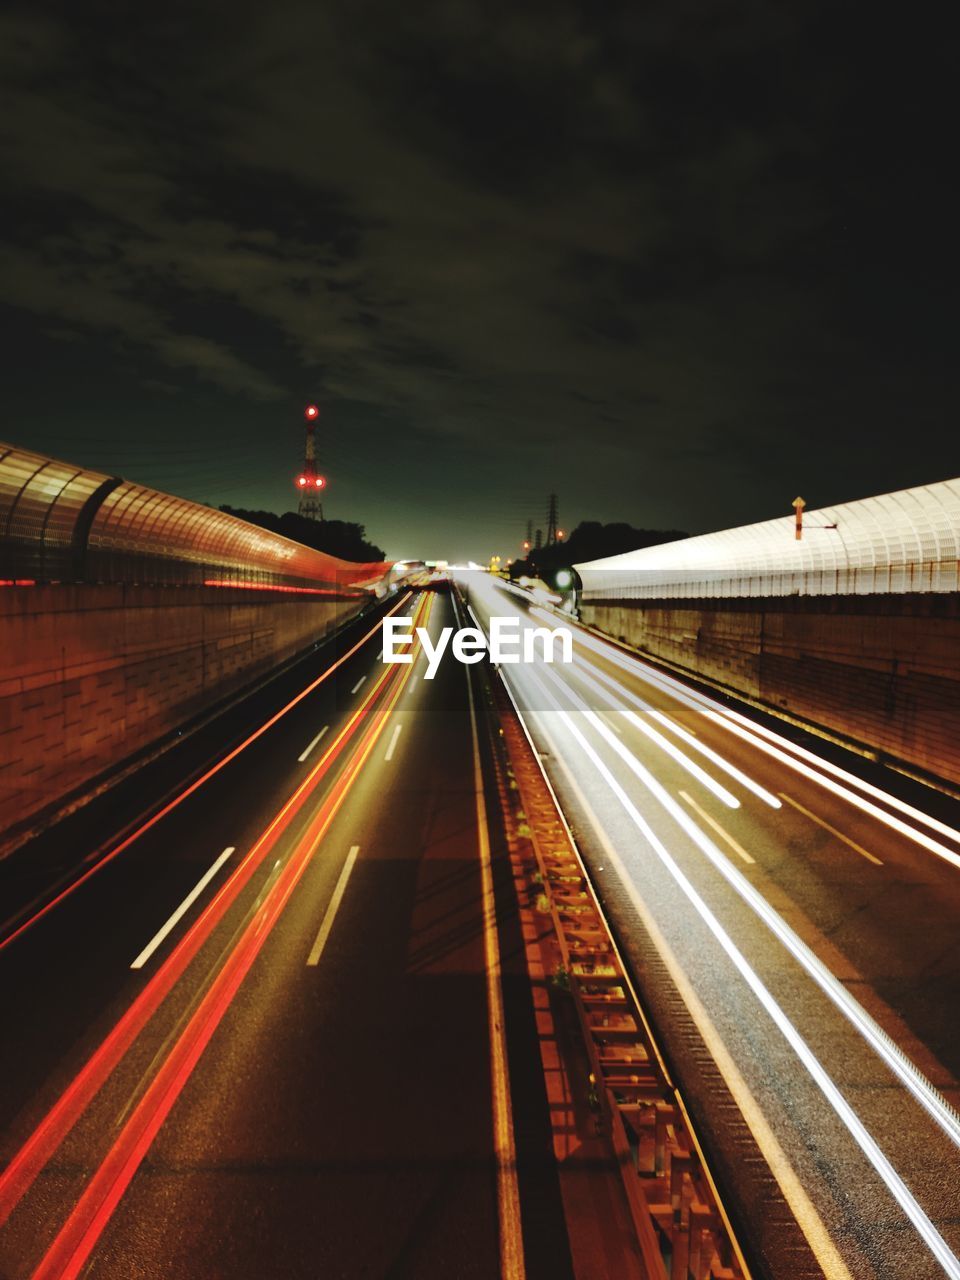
[273,1036]
[261,1023]
[791,922]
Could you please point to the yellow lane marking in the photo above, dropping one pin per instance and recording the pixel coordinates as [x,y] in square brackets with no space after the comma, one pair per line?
[508,1192]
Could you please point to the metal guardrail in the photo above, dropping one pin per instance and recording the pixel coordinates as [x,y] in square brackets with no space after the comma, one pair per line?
[682,1228]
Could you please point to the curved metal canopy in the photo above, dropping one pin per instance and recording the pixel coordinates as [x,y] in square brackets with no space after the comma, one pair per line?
[62,523]
[897,542]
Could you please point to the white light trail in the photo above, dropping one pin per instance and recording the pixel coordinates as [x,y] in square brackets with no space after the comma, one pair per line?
[743,778]
[858,1131]
[918,815]
[730,769]
[763,739]
[666,745]
[794,1192]
[844,793]
[886,1048]
[735,845]
[685,762]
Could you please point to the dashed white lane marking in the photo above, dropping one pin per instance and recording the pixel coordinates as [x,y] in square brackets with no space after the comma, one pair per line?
[328,916]
[712,822]
[303,755]
[183,908]
[858,848]
[393,742]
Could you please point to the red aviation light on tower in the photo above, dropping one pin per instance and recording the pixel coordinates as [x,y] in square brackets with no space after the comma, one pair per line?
[309,482]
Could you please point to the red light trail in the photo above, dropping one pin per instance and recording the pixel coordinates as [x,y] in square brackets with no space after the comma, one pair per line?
[21,1172]
[194,786]
[69,1252]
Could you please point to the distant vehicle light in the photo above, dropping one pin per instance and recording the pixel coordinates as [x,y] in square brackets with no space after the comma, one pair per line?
[301,481]
[319,482]
[311,412]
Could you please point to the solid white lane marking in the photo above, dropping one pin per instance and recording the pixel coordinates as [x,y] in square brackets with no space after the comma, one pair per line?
[512,1266]
[303,755]
[358,684]
[184,907]
[821,822]
[328,916]
[854,1125]
[393,742]
[712,822]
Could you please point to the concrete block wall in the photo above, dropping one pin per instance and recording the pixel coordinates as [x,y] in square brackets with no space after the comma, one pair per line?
[881,671]
[92,675]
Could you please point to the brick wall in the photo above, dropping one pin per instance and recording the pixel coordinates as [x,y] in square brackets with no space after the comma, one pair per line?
[883,671]
[89,676]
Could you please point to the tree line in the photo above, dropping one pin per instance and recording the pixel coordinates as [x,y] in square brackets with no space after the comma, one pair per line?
[340,538]
[590,540]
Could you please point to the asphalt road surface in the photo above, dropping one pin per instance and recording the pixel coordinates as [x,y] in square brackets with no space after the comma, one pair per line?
[258,1041]
[795,936]
[253,1027]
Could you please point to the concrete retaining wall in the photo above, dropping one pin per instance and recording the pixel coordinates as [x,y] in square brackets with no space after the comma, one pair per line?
[882,671]
[92,675]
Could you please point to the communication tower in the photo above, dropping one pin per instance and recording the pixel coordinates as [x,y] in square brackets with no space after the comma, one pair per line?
[309,482]
[552,519]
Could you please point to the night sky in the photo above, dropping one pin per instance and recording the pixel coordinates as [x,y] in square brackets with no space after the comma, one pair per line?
[679,262]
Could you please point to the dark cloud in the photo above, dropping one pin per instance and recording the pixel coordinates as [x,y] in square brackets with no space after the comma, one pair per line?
[677,261]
